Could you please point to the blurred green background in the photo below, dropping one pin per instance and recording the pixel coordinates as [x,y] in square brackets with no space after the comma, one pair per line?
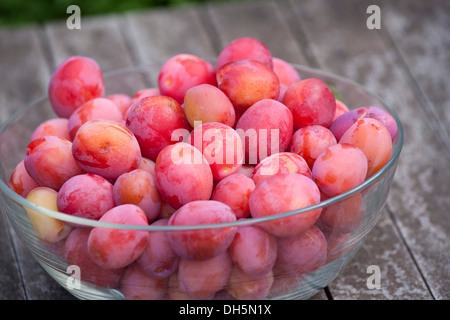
[16,12]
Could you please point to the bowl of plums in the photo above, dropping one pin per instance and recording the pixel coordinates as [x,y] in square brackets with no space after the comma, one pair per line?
[240,177]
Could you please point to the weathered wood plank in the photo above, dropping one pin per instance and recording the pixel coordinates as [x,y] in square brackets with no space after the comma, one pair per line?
[421,213]
[10,276]
[23,72]
[162,33]
[418,197]
[399,278]
[101,39]
[420,31]
[25,75]
[260,19]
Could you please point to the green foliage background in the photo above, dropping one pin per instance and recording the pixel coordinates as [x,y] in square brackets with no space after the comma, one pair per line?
[16,12]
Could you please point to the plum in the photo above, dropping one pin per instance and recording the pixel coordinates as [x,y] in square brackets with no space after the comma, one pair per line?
[121,100]
[98,108]
[106,148]
[202,244]
[282,193]
[76,80]
[86,196]
[221,146]
[311,102]
[310,141]
[115,248]
[253,250]
[50,162]
[153,121]
[345,121]
[138,285]
[235,191]
[202,279]
[138,187]
[178,167]
[159,260]
[207,103]
[373,138]
[245,82]
[302,253]
[47,229]
[245,48]
[76,253]
[20,181]
[244,286]
[278,163]
[182,72]
[264,135]
[286,73]
[339,168]
[52,127]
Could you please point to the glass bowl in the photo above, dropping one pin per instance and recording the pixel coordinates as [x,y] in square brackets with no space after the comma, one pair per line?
[87,282]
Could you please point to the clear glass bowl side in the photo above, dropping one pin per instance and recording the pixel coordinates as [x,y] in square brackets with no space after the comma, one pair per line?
[14,137]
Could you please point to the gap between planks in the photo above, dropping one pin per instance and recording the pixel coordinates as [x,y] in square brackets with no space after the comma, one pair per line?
[289,8]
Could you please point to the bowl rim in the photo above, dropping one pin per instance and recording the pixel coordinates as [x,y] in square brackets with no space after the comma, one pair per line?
[240,222]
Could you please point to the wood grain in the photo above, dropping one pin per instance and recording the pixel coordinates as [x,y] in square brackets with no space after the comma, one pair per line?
[399,278]
[418,198]
[406,63]
[260,19]
[159,34]
[26,75]
[99,38]
[420,32]
[10,276]
[22,62]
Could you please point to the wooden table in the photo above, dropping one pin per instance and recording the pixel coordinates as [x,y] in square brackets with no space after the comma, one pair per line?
[406,62]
